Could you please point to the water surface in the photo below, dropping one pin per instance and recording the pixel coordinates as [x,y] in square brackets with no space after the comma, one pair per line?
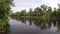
[33,27]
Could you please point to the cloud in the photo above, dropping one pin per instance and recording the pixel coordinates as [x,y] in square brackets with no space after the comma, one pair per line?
[26,4]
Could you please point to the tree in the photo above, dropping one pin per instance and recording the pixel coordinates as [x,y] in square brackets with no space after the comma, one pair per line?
[5,8]
[23,13]
[30,12]
[48,15]
[44,8]
[37,11]
[44,12]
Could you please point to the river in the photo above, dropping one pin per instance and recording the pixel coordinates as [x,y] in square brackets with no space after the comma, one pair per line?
[33,27]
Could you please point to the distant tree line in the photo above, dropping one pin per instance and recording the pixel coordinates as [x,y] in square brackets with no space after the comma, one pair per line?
[43,12]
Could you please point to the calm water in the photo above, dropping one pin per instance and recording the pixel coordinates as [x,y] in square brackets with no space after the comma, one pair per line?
[33,27]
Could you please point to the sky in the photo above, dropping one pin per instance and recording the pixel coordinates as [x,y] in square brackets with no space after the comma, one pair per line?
[26,4]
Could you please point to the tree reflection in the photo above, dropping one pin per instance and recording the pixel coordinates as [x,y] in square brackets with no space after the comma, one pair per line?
[40,23]
[30,21]
[37,22]
[58,26]
[23,20]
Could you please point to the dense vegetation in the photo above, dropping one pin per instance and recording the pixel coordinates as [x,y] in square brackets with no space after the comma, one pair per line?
[5,6]
[44,13]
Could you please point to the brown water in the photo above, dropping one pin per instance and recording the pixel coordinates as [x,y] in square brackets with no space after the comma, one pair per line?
[33,27]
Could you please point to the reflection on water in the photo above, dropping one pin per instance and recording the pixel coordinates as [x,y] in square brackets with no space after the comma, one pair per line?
[53,26]
[32,26]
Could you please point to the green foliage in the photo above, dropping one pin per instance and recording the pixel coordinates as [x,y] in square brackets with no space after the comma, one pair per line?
[30,12]
[5,6]
[44,12]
